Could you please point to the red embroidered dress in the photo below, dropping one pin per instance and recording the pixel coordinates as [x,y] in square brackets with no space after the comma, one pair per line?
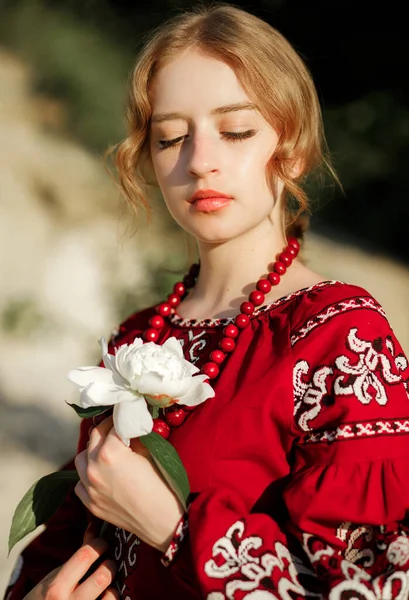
[299,467]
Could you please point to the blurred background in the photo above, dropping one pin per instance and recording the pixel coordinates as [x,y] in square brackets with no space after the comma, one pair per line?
[70,272]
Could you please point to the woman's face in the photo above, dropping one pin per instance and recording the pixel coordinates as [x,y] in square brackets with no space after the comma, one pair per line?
[207,135]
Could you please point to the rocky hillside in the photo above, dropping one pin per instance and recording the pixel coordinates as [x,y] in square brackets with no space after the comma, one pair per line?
[65,270]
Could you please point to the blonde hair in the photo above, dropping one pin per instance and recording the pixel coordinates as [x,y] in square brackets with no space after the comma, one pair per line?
[272,74]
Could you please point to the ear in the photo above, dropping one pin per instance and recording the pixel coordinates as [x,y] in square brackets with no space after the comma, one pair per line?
[296,168]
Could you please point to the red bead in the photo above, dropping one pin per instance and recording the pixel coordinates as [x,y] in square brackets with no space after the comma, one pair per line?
[231,331]
[179,288]
[274,278]
[217,356]
[156,322]
[173,300]
[164,309]
[189,281]
[242,321]
[194,270]
[286,258]
[210,369]
[161,428]
[279,267]
[263,285]
[247,308]
[256,297]
[174,418]
[189,408]
[294,243]
[291,251]
[227,344]
[150,335]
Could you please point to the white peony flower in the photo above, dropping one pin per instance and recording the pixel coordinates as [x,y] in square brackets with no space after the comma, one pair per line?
[137,374]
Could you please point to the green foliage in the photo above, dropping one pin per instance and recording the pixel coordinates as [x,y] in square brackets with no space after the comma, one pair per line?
[92,411]
[21,315]
[169,464]
[40,503]
[74,62]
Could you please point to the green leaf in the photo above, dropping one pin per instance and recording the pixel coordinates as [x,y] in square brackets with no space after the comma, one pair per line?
[169,464]
[40,503]
[93,411]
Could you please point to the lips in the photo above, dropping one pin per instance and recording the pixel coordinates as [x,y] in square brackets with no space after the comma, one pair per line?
[208,194]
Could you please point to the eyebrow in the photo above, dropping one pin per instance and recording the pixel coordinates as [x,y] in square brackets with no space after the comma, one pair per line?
[221,110]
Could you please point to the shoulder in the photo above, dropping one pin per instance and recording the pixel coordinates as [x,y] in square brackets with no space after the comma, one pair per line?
[331,306]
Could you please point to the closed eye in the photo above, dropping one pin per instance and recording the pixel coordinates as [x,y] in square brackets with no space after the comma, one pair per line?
[232,136]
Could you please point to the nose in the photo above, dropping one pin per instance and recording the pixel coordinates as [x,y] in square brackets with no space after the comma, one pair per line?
[202,158]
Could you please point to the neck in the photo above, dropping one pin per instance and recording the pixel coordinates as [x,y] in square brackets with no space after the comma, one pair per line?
[229,271]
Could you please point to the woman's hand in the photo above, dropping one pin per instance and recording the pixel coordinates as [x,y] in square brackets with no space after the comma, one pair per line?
[66,582]
[122,486]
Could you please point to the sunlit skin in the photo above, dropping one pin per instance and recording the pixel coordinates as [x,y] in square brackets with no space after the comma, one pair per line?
[207,133]
[196,149]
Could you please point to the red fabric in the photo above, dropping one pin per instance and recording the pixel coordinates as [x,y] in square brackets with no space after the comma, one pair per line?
[299,467]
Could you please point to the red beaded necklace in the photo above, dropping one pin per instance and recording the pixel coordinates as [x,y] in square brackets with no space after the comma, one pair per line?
[176,415]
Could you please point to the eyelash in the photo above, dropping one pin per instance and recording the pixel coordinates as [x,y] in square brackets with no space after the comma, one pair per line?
[230,135]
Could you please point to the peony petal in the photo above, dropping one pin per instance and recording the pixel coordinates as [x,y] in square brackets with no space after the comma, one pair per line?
[104,346]
[151,383]
[198,392]
[86,375]
[132,419]
[102,394]
[173,345]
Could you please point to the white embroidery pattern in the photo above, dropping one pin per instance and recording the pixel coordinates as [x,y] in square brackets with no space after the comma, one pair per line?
[364,372]
[236,550]
[359,430]
[398,551]
[309,394]
[364,377]
[401,362]
[353,586]
[125,556]
[332,311]
[196,344]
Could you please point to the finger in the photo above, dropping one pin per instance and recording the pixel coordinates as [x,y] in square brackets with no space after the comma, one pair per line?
[99,433]
[139,448]
[111,594]
[92,530]
[81,464]
[77,566]
[82,494]
[97,582]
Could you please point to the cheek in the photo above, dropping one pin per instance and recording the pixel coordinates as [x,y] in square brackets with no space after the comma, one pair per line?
[253,165]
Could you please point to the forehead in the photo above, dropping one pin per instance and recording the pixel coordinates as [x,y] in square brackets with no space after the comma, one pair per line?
[195,80]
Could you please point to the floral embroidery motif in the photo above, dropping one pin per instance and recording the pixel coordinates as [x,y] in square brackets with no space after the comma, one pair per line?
[309,394]
[126,554]
[363,376]
[235,554]
[398,551]
[195,344]
[360,378]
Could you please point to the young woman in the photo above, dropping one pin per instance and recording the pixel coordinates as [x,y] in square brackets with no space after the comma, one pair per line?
[299,466]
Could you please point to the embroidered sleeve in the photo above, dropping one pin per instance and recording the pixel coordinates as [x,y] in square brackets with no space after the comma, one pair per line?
[345,533]
[176,542]
[348,499]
